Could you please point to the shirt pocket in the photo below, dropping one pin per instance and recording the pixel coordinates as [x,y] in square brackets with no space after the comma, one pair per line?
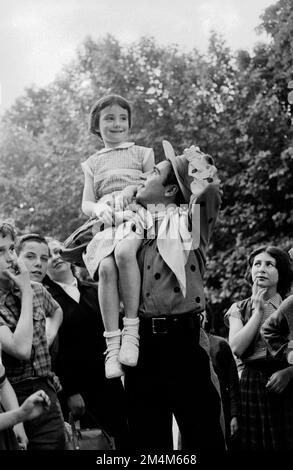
[39,319]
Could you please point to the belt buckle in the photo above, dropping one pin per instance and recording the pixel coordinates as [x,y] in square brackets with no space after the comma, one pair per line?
[156,322]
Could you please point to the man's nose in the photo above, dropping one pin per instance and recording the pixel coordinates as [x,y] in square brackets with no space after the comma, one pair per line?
[38,262]
[143,176]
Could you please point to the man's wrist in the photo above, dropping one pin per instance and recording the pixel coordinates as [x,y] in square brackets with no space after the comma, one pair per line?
[27,291]
[290,352]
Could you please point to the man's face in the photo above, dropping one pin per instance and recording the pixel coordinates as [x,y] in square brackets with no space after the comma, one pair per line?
[35,257]
[56,265]
[152,189]
[7,259]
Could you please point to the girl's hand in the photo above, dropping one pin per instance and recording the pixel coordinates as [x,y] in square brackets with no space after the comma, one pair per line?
[279,380]
[21,277]
[104,212]
[258,298]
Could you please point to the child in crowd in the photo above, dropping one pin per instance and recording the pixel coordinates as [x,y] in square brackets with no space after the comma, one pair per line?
[12,415]
[111,177]
[29,322]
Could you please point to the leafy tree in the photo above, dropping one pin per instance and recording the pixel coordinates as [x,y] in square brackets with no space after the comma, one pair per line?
[233,105]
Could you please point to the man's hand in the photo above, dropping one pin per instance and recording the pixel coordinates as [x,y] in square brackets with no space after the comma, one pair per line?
[21,277]
[233,426]
[279,380]
[76,405]
[34,406]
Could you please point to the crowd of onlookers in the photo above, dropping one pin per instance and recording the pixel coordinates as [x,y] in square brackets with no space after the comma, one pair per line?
[133,348]
[51,334]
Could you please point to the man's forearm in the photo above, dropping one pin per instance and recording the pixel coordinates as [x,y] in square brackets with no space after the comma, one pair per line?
[8,396]
[23,334]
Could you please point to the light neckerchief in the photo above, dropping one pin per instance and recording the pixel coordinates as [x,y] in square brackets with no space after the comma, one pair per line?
[174,241]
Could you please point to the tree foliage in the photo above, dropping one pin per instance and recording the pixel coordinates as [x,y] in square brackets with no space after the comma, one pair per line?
[233,105]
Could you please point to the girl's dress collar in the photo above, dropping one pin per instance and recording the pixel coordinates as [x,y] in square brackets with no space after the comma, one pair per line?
[124,145]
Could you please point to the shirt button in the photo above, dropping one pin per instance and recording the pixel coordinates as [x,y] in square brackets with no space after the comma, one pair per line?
[157,276]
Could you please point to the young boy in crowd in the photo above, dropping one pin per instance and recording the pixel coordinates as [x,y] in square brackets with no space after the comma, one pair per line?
[29,321]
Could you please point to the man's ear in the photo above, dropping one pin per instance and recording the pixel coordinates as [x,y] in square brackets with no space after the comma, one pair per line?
[171,190]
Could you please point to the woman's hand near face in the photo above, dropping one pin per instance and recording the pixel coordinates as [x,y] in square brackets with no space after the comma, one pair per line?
[258,302]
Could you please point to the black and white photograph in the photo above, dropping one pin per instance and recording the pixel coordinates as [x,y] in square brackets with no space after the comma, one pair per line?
[146,303]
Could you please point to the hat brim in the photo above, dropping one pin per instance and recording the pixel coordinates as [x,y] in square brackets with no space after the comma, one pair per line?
[170,155]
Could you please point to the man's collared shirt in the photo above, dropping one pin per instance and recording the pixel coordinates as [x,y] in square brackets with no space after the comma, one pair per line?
[160,293]
[39,364]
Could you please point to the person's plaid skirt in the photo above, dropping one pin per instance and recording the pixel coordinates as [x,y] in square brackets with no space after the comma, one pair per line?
[266,417]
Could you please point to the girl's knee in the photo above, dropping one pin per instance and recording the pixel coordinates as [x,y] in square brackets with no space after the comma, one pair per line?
[124,255]
[107,269]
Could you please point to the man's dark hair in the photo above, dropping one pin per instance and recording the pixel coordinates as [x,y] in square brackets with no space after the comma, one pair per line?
[7,228]
[29,237]
[172,180]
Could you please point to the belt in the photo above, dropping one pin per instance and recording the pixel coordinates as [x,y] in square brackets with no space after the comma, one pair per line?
[170,323]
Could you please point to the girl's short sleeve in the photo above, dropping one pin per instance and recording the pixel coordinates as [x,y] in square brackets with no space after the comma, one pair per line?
[88,166]
[232,312]
[148,160]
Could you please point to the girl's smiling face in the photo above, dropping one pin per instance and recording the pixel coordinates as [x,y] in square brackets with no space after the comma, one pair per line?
[114,125]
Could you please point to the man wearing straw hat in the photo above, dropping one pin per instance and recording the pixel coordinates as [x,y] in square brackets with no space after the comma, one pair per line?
[173,374]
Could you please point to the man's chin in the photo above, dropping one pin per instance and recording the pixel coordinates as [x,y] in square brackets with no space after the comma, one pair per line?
[140,199]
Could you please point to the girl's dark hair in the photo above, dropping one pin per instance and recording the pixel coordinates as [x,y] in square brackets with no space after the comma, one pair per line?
[283,265]
[109,100]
